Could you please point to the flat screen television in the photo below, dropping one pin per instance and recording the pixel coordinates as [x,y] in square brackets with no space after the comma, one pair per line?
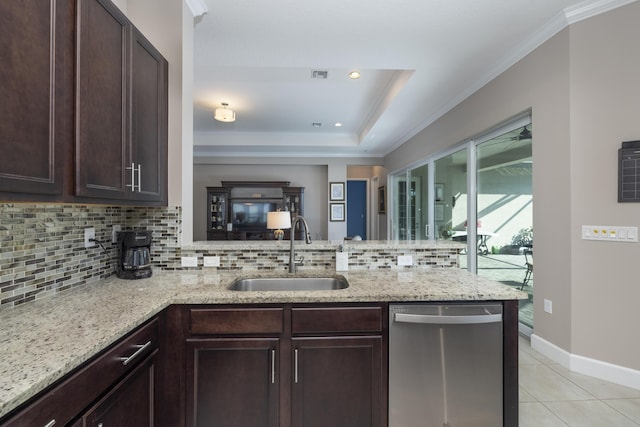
[251,214]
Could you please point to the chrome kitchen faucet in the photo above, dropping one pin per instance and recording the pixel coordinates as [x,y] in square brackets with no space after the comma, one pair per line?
[292,252]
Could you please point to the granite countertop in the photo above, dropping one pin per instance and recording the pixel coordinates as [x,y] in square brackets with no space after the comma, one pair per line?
[43,341]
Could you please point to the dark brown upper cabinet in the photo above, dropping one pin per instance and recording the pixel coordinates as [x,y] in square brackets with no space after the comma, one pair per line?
[36,101]
[83,105]
[149,119]
[121,109]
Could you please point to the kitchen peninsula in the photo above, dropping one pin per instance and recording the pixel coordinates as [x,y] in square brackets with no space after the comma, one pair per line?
[47,340]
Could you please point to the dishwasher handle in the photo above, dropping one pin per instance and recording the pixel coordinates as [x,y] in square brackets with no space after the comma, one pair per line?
[429,319]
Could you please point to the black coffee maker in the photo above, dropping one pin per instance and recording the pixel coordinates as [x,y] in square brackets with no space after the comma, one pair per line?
[135,254]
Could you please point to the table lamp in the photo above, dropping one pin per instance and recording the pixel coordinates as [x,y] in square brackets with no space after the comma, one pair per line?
[277,221]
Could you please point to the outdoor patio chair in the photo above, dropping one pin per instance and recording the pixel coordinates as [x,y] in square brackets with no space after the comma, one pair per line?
[528,262]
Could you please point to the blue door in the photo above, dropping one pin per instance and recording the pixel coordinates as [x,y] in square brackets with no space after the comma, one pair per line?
[357,209]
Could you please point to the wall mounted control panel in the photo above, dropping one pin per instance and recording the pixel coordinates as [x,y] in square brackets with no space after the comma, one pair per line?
[610,233]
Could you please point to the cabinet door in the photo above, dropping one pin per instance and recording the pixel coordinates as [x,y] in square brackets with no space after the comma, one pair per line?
[232,382]
[102,138]
[148,120]
[129,403]
[36,101]
[337,382]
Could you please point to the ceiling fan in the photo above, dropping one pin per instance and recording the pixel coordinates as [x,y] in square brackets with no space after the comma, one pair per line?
[525,134]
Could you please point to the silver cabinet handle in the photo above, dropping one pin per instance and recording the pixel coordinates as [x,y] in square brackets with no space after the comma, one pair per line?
[141,348]
[447,320]
[295,366]
[139,178]
[273,366]
[133,177]
[50,423]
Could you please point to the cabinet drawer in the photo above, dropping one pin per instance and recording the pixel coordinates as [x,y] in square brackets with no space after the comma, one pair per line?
[236,321]
[336,320]
[67,400]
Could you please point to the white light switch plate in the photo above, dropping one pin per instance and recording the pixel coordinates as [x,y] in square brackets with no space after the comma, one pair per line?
[189,261]
[610,233]
[342,261]
[211,261]
[404,260]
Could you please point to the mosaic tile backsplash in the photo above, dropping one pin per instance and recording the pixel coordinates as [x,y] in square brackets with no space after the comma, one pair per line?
[43,245]
[43,252]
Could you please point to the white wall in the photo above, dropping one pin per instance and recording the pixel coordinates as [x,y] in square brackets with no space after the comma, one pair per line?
[605,110]
[582,88]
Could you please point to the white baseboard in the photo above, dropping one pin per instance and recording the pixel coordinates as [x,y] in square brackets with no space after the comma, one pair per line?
[595,368]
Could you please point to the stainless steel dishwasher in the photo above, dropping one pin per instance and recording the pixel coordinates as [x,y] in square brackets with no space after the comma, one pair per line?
[445,365]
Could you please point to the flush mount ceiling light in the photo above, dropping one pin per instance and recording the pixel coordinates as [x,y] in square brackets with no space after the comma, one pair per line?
[354,74]
[225,114]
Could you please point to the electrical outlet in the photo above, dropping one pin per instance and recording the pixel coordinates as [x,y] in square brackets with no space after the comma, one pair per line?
[114,232]
[189,261]
[548,306]
[89,233]
[211,261]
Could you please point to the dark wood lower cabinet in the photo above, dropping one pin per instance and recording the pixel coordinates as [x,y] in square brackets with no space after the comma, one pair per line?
[303,369]
[117,386]
[337,382]
[233,382]
[130,403]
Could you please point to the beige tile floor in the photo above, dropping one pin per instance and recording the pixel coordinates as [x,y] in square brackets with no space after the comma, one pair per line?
[551,396]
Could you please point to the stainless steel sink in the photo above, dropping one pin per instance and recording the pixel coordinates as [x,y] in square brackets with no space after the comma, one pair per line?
[290,284]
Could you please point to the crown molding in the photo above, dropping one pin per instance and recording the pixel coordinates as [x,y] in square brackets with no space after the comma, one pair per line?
[197,7]
[556,24]
[591,8]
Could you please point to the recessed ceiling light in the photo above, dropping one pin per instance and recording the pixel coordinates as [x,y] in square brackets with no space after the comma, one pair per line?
[338,124]
[354,74]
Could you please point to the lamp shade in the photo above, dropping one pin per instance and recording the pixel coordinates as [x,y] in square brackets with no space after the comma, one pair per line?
[278,220]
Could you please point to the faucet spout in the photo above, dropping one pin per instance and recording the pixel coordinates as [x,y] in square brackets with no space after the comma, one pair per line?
[292,252]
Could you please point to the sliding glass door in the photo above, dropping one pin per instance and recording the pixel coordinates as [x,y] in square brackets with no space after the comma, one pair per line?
[479,193]
[505,211]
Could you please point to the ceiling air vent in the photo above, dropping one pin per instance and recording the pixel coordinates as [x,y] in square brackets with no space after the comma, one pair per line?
[319,74]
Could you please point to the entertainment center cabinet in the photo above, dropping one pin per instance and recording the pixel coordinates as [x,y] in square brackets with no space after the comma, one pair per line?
[238,209]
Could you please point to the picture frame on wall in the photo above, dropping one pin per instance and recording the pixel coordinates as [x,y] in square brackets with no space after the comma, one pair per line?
[336,191]
[336,212]
[382,208]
